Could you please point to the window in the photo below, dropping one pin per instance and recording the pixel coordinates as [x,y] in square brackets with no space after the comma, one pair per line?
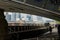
[29,17]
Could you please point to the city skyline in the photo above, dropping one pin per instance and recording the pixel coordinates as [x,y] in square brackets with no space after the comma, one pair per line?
[12,16]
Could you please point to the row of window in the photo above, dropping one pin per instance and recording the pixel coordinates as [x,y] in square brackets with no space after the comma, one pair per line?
[18,16]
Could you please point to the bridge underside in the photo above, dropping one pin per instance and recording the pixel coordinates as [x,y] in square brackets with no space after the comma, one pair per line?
[11,6]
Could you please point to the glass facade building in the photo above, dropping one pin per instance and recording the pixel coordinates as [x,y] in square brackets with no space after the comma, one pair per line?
[18,16]
[8,17]
[29,17]
[14,17]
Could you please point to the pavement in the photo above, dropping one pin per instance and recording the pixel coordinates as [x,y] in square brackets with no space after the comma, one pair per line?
[53,34]
[47,36]
[50,36]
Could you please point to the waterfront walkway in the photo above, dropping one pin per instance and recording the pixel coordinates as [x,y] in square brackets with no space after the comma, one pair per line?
[47,36]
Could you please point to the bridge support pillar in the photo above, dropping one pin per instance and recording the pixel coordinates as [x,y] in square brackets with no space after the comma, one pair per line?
[3,26]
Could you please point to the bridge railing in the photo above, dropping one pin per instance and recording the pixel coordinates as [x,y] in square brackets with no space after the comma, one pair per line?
[12,29]
[21,32]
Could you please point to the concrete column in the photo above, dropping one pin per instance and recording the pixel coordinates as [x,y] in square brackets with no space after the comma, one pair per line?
[3,26]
